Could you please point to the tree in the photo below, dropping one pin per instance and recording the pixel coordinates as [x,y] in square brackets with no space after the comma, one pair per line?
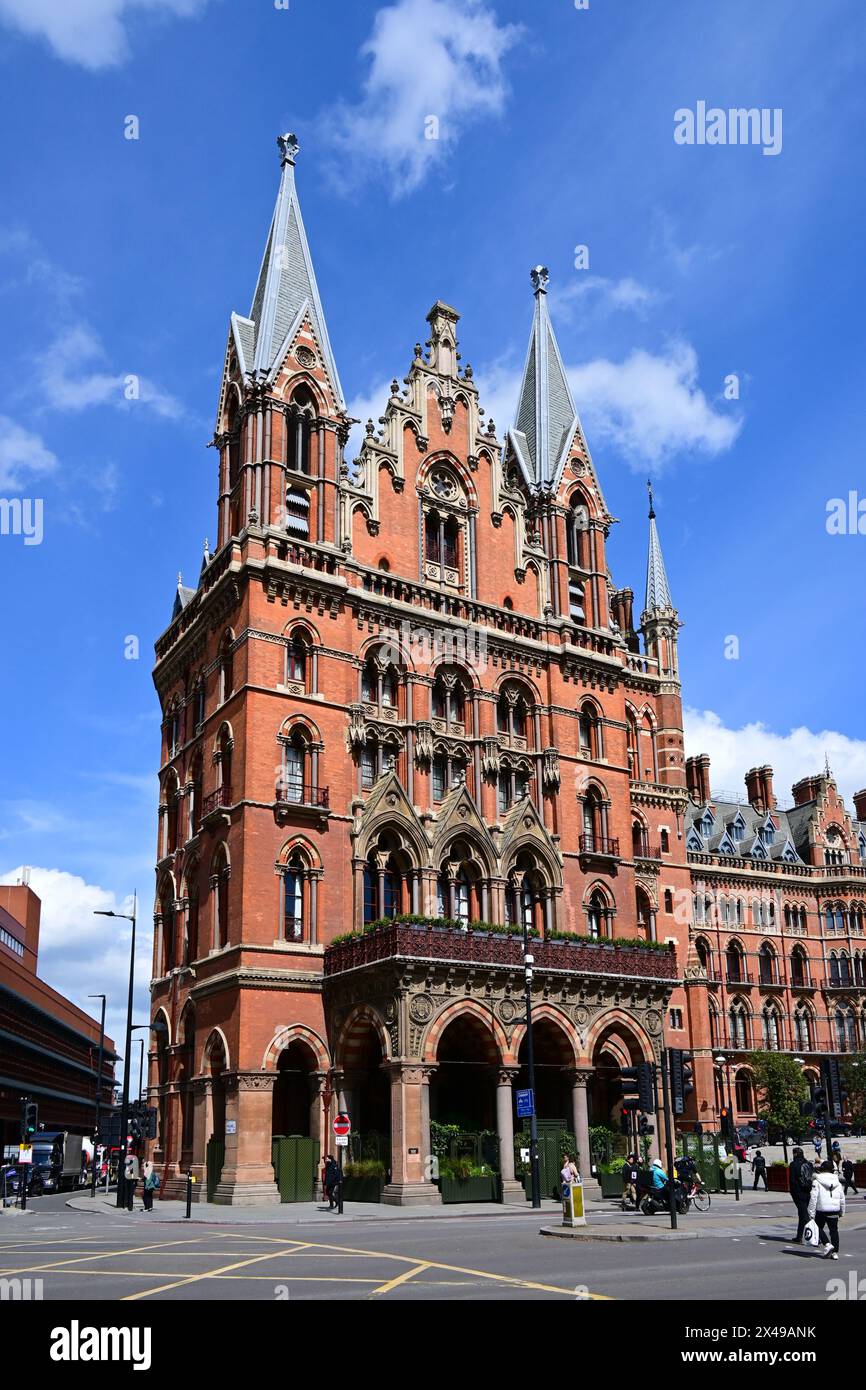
[781,1087]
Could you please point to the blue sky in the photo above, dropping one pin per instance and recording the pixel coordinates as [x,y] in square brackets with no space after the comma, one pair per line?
[123,258]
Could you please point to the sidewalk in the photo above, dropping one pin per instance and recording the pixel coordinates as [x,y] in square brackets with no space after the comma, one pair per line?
[758,1213]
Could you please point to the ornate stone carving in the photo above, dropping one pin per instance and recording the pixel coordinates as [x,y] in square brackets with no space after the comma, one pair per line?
[421,1008]
[357,731]
[550,769]
[490,757]
[424,743]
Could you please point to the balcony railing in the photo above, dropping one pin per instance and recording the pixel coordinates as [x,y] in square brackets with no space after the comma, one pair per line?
[302,794]
[215,799]
[644,850]
[738,977]
[483,948]
[843,984]
[599,844]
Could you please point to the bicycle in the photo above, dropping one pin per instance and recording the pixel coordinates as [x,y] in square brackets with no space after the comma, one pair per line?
[697,1196]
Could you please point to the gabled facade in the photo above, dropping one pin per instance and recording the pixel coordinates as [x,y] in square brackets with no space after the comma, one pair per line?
[407,692]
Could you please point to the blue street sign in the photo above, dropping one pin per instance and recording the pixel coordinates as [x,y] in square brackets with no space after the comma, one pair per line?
[525,1105]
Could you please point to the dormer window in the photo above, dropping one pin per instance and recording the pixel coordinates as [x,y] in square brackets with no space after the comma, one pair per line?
[737,831]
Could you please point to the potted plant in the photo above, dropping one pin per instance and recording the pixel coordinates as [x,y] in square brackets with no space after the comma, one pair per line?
[462,1181]
[363,1180]
[610,1177]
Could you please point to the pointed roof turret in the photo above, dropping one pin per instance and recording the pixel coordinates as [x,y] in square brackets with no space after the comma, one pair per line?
[546,419]
[658,593]
[286,291]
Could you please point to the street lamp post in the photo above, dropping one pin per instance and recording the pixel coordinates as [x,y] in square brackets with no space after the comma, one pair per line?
[98,1090]
[528,962]
[124,1103]
[726,1072]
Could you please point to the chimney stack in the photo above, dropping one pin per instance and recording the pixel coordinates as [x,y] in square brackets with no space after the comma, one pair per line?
[703,775]
[767,786]
[755,789]
[805,790]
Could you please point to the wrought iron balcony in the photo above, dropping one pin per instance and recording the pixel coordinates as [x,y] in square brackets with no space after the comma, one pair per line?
[292,793]
[599,844]
[644,850]
[222,796]
[429,942]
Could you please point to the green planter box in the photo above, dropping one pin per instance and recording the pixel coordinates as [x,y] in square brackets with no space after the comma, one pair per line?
[611,1184]
[471,1190]
[363,1189]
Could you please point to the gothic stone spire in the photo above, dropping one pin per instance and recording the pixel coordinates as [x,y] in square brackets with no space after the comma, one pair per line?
[546,418]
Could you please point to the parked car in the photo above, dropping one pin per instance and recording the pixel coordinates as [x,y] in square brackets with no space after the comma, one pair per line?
[751,1136]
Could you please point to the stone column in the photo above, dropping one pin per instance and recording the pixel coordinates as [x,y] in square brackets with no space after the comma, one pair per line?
[248,1173]
[512,1190]
[410,1184]
[201,1092]
[580,1112]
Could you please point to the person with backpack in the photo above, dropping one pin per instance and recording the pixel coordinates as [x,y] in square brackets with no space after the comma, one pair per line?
[332,1182]
[800,1175]
[151,1185]
[759,1168]
[848,1176]
[826,1206]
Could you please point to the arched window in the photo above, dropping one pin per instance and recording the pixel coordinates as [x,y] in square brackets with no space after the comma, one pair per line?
[739,1023]
[449,700]
[736,967]
[598,917]
[705,955]
[300,419]
[589,732]
[198,704]
[772,1027]
[649,759]
[295,785]
[632,743]
[799,967]
[767,965]
[463,888]
[167,931]
[511,714]
[172,812]
[380,682]
[377,757]
[579,534]
[195,796]
[802,1029]
[512,785]
[639,840]
[594,838]
[191,942]
[224,766]
[743,1092]
[297,658]
[846,1030]
[293,897]
[645,916]
[444,537]
[220,897]
[227,668]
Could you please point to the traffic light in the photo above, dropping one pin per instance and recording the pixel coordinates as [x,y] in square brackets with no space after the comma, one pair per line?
[638,1083]
[29,1120]
[819,1105]
[727,1120]
[629,1108]
[644,1128]
[834,1087]
[682,1078]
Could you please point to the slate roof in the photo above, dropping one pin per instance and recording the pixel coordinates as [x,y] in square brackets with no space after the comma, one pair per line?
[546,419]
[726,812]
[286,291]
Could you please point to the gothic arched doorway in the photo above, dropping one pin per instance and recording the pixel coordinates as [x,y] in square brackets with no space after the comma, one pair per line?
[463,1087]
[295,1092]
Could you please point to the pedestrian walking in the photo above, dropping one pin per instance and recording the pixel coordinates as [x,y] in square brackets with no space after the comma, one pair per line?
[826,1206]
[817,1143]
[759,1169]
[131,1172]
[151,1185]
[847,1171]
[800,1175]
[332,1181]
[570,1167]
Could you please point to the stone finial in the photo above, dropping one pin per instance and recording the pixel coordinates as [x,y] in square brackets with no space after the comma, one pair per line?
[289,148]
[540,277]
[649,488]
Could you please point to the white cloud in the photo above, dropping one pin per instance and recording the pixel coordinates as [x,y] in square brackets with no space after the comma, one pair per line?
[71,377]
[648,406]
[798,753]
[439,59]
[80,954]
[601,293]
[22,455]
[92,33]
[651,406]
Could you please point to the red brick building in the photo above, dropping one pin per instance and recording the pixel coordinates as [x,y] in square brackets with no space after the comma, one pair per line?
[49,1048]
[407,689]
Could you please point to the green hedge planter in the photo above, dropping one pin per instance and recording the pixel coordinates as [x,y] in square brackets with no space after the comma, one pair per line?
[470,1190]
[611,1184]
[363,1189]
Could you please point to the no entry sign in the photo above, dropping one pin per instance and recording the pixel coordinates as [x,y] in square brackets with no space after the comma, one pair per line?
[342,1125]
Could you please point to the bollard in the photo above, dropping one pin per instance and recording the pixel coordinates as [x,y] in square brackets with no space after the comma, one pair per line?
[189,1182]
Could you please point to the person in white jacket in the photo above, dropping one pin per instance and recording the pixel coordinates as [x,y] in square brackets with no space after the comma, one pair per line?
[826,1205]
